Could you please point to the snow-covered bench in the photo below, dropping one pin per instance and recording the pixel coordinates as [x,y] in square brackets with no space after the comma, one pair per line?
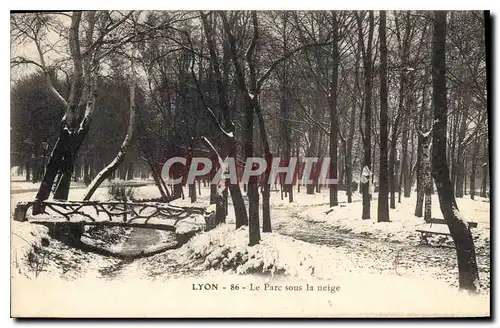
[424,234]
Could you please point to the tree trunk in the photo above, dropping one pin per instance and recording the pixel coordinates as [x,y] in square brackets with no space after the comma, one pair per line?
[453,163]
[393,167]
[213,186]
[86,170]
[266,185]
[367,63]
[253,187]
[71,134]
[333,114]
[130,170]
[311,152]
[383,191]
[408,173]
[419,206]
[350,139]
[297,154]
[400,115]
[484,184]
[464,244]
[27,165]
[404,158]
[426,173]
[60,163]
[192,191]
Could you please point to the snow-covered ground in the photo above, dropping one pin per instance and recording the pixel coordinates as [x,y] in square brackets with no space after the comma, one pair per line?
[306,243]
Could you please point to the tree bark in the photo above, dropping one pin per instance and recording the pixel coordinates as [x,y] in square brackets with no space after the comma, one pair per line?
[253,187]
[464,244]
[266,185]
[383,191]
[333,113]
[367,63]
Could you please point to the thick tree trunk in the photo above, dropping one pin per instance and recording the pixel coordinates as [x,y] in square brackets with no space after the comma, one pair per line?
[383,192]
[65,171]
[60,163]
[253,187]
[333,114]
[71,136]
[464,244]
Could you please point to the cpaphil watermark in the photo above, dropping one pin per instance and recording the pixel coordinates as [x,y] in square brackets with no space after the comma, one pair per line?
[255,169]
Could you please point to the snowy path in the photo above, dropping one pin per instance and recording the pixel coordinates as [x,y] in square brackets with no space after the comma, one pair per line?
[377,254]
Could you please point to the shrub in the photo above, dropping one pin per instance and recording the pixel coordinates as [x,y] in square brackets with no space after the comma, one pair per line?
[118,190]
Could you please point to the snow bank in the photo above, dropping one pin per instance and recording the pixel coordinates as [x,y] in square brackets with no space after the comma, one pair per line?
[26,244]
[226,249]
[347,218]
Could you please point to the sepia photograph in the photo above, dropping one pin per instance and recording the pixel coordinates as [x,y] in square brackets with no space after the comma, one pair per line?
[250,163]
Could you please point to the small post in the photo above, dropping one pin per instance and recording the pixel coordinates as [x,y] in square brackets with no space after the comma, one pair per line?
[125,209]
[20,212]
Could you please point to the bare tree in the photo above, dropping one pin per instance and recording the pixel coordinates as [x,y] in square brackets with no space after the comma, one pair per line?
[83,90]
[333,101]
[464,244]
[383,194]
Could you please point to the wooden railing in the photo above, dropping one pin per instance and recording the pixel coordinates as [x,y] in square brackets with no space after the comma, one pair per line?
[113,213]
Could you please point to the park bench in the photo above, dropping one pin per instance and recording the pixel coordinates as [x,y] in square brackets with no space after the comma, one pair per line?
[424,234]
